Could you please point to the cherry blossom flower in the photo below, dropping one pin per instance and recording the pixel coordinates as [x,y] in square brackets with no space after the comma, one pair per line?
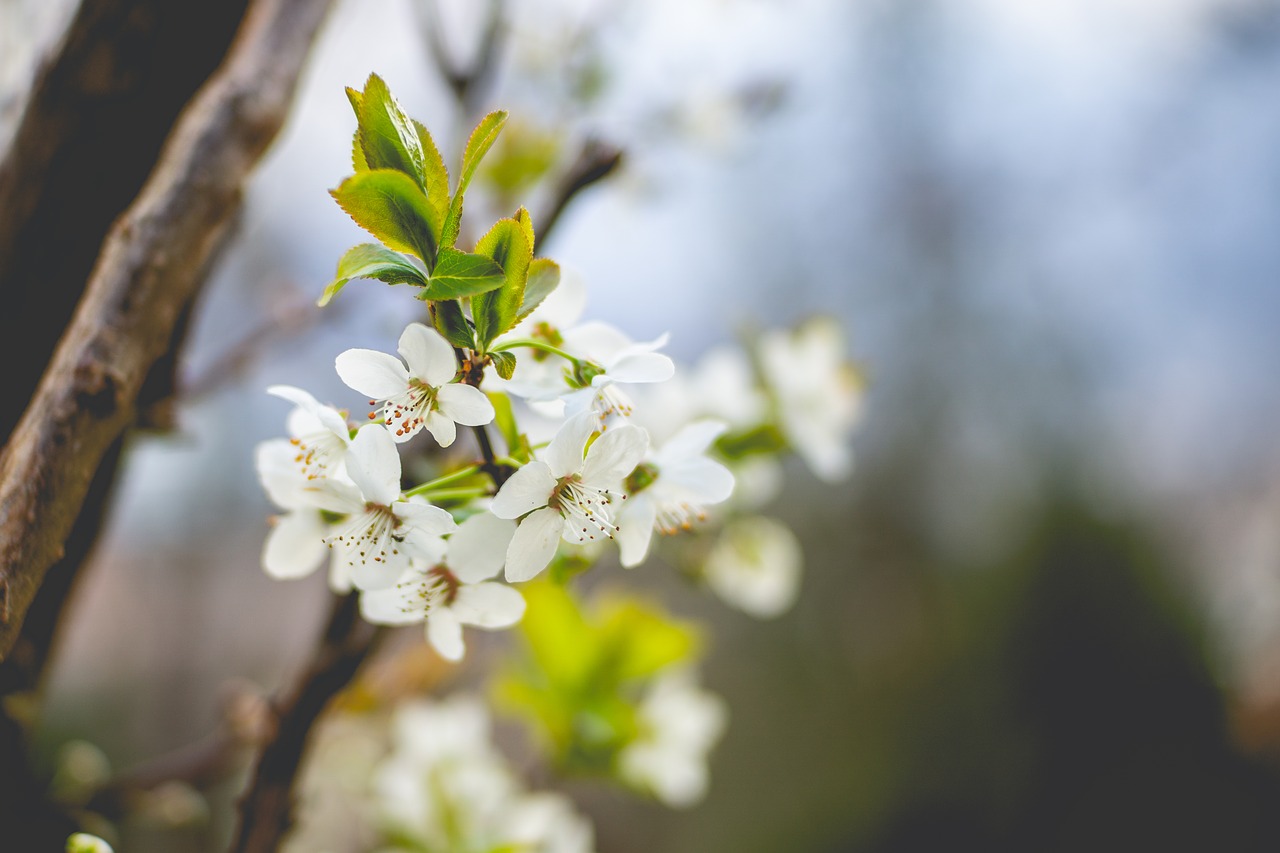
[679,723]
[455,591]
[295,545]
[755,566]
[818,393]
[445,787]
[319,433]
[383,531]
[620,361]
[568,495]
[669,491]
[421,395]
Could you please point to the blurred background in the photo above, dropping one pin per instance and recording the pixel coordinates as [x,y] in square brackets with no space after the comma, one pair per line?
[1042,614]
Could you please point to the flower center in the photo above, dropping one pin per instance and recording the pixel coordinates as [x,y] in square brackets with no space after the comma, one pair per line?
[407,412]
[585,508]
[676,516]
[317,451]
[369,536]
[438,588]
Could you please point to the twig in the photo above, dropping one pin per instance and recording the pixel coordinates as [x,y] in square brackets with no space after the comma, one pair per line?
[596,161]
[150,268]
[266,810]
[466,84]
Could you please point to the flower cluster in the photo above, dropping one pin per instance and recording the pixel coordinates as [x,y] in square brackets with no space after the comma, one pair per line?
[553,441]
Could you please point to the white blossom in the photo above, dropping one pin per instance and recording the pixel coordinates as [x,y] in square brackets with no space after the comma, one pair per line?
[677,482]
[679,722]
[455,591]
[445,787]
[421,395]
[755,566]
[568,495]
[295,545]
[383,531]
[318,433]
[818,393]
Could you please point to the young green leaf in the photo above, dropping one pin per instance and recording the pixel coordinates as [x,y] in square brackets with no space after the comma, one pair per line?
[435,174]
[451,323]
[526,224]
[390,206]
[495,312]
[458,274]
[369,260]
[505,420]
[481,141]
[387,136]
[544,277]
[504,363]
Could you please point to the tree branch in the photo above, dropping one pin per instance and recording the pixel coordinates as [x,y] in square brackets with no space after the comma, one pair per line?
[266,810]
[596,161]
[149,270]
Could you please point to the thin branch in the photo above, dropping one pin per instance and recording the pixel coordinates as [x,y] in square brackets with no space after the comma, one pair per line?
[465,83]
[266,810]
[596,161]
[149,270]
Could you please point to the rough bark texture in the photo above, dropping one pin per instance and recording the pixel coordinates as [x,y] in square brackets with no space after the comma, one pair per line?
[97,115]
[148,272]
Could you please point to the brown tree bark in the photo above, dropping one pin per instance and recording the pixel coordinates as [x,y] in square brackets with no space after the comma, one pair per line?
[148,272]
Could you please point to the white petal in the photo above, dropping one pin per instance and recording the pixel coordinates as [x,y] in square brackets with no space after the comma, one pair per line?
[614,455]
[441,428]
[297,396]
[464,404]
[643,367]
[635,530]
[295,545]
[333,495]
[597,341]
[424,517]
[394,605]
[692,440]
[527,489]
[701,479]
[533,545]
[374,464]
[488,605]
[278,473]
[429,356]
[324,417]
[479,547]
[368,574]
[375,374]
[564,454]
[445,633]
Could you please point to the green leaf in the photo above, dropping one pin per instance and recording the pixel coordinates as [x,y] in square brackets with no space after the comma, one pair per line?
[390,206]
[505,420]
[458,274]
[369,260]
[436,176]
[358,162]
[645,640]
[481,141]
[495,312]
[387,136]
[451,323]
[526,224]
[504,363]
[544,277]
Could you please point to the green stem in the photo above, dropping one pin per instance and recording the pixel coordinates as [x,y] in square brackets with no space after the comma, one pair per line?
[532,343]
[455,494]
[446,480]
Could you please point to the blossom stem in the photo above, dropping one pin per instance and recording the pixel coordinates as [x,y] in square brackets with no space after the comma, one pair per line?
[446,480]
[455,494]
[532,343]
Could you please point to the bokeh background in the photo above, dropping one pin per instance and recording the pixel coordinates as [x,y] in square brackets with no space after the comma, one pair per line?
[1043,612]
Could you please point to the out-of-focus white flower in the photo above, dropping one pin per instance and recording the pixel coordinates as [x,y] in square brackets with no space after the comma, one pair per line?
[423,395]
[383,531]
[622,362]
[755,566]
[455,592]
[673,486]
[295,544]
[818,393]
[680,722]
[568,495]
[318,433]
[83,842]
[446,788]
